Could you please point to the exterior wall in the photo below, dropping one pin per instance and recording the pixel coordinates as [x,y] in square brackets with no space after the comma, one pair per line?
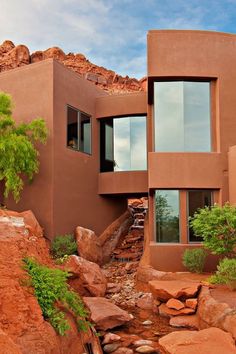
[31,88]
[193,55]
[75,184]
[133,182]
[121,105]
[185,170]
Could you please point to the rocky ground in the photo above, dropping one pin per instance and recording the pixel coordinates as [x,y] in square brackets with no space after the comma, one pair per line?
[170,313]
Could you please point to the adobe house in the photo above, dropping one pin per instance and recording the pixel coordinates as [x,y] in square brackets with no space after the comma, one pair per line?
[175,143]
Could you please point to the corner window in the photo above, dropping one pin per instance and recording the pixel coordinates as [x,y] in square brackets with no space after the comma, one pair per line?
[78,130]
[123,144]
[167,215]
[182,116]
[197,199]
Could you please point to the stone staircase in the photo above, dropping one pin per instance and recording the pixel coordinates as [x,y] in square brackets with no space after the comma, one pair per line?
[130,248]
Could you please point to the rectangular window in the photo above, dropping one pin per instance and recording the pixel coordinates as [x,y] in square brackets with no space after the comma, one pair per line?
[182,116]
[78,130]
[167,216]
[197,199]
[123,144]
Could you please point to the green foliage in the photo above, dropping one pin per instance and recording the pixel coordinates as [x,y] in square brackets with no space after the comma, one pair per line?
[18,155]
[50,288]
[217,226]
[194,259]
[226,273]
[63,245]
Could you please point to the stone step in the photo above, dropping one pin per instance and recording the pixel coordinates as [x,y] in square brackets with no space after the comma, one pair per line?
[136,227]
[139,215]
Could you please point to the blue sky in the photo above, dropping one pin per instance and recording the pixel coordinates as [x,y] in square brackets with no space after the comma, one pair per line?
[110,33]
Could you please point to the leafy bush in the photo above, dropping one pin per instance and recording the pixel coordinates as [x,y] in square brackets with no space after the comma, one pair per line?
[217,226]
[226,273]
[194,259]
[18,155]
[63,245]
[50,288]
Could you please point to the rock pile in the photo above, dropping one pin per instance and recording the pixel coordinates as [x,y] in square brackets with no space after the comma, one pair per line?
[12,56]
[175,300]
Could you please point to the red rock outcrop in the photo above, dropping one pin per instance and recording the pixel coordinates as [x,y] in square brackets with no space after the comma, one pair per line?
[166,289]
[105,314]
[86,274]
[88,245]
[12,56]
[22,326]
[208,341]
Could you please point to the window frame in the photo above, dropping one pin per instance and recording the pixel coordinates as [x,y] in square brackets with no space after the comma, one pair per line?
[155,219]
[103,161]
[212,92]
[79,112]
[187,211]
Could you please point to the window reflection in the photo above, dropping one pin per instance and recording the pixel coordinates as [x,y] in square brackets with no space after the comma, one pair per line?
[182,116]
[167,215]
[123,144]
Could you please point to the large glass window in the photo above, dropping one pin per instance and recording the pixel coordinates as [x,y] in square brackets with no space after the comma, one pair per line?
[182,116]
[167,215]
[78,130]
[197,199]
[123,144]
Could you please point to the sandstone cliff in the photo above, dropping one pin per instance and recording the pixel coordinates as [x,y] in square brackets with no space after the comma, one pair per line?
[12,56]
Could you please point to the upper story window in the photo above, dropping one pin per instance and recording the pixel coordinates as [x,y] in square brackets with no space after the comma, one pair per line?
[182,116]
[78,130]
[123,144]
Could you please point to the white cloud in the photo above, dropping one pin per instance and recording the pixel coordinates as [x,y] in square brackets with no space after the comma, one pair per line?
[109,33]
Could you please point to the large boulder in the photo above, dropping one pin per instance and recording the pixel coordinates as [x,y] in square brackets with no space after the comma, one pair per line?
[214,313]
[166,289]
[104,314]
[146,273]
[88,245]
[87,273]
[207,341]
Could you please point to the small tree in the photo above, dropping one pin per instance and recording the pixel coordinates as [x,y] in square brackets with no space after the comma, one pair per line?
[217,226]
[18,155]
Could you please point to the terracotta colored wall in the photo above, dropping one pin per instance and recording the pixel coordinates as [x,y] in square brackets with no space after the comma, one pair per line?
[31,88]
[232,175]
[185,170]
[132,182]
[121,105]
[168,257]
[76,199]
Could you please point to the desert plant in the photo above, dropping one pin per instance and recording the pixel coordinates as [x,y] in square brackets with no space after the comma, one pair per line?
[50,288]
[217,226]
[226,273]
[18,155]
[63,245]
[194,259]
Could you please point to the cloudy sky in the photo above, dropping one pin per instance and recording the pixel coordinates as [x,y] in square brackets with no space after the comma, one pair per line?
[111,33]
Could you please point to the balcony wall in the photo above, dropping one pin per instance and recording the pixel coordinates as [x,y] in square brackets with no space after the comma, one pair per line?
[129,182]
[185,170]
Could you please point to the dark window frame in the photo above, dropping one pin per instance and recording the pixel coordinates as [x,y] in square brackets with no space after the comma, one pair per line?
[79,131]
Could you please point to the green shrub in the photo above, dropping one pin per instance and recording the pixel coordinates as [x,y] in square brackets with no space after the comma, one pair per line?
[226,273]
[50,288]
[63,245]
[19,156]
[217,226]
[194,259]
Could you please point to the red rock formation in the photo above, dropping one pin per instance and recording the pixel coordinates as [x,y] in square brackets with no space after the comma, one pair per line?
[23,329]
[12,56]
